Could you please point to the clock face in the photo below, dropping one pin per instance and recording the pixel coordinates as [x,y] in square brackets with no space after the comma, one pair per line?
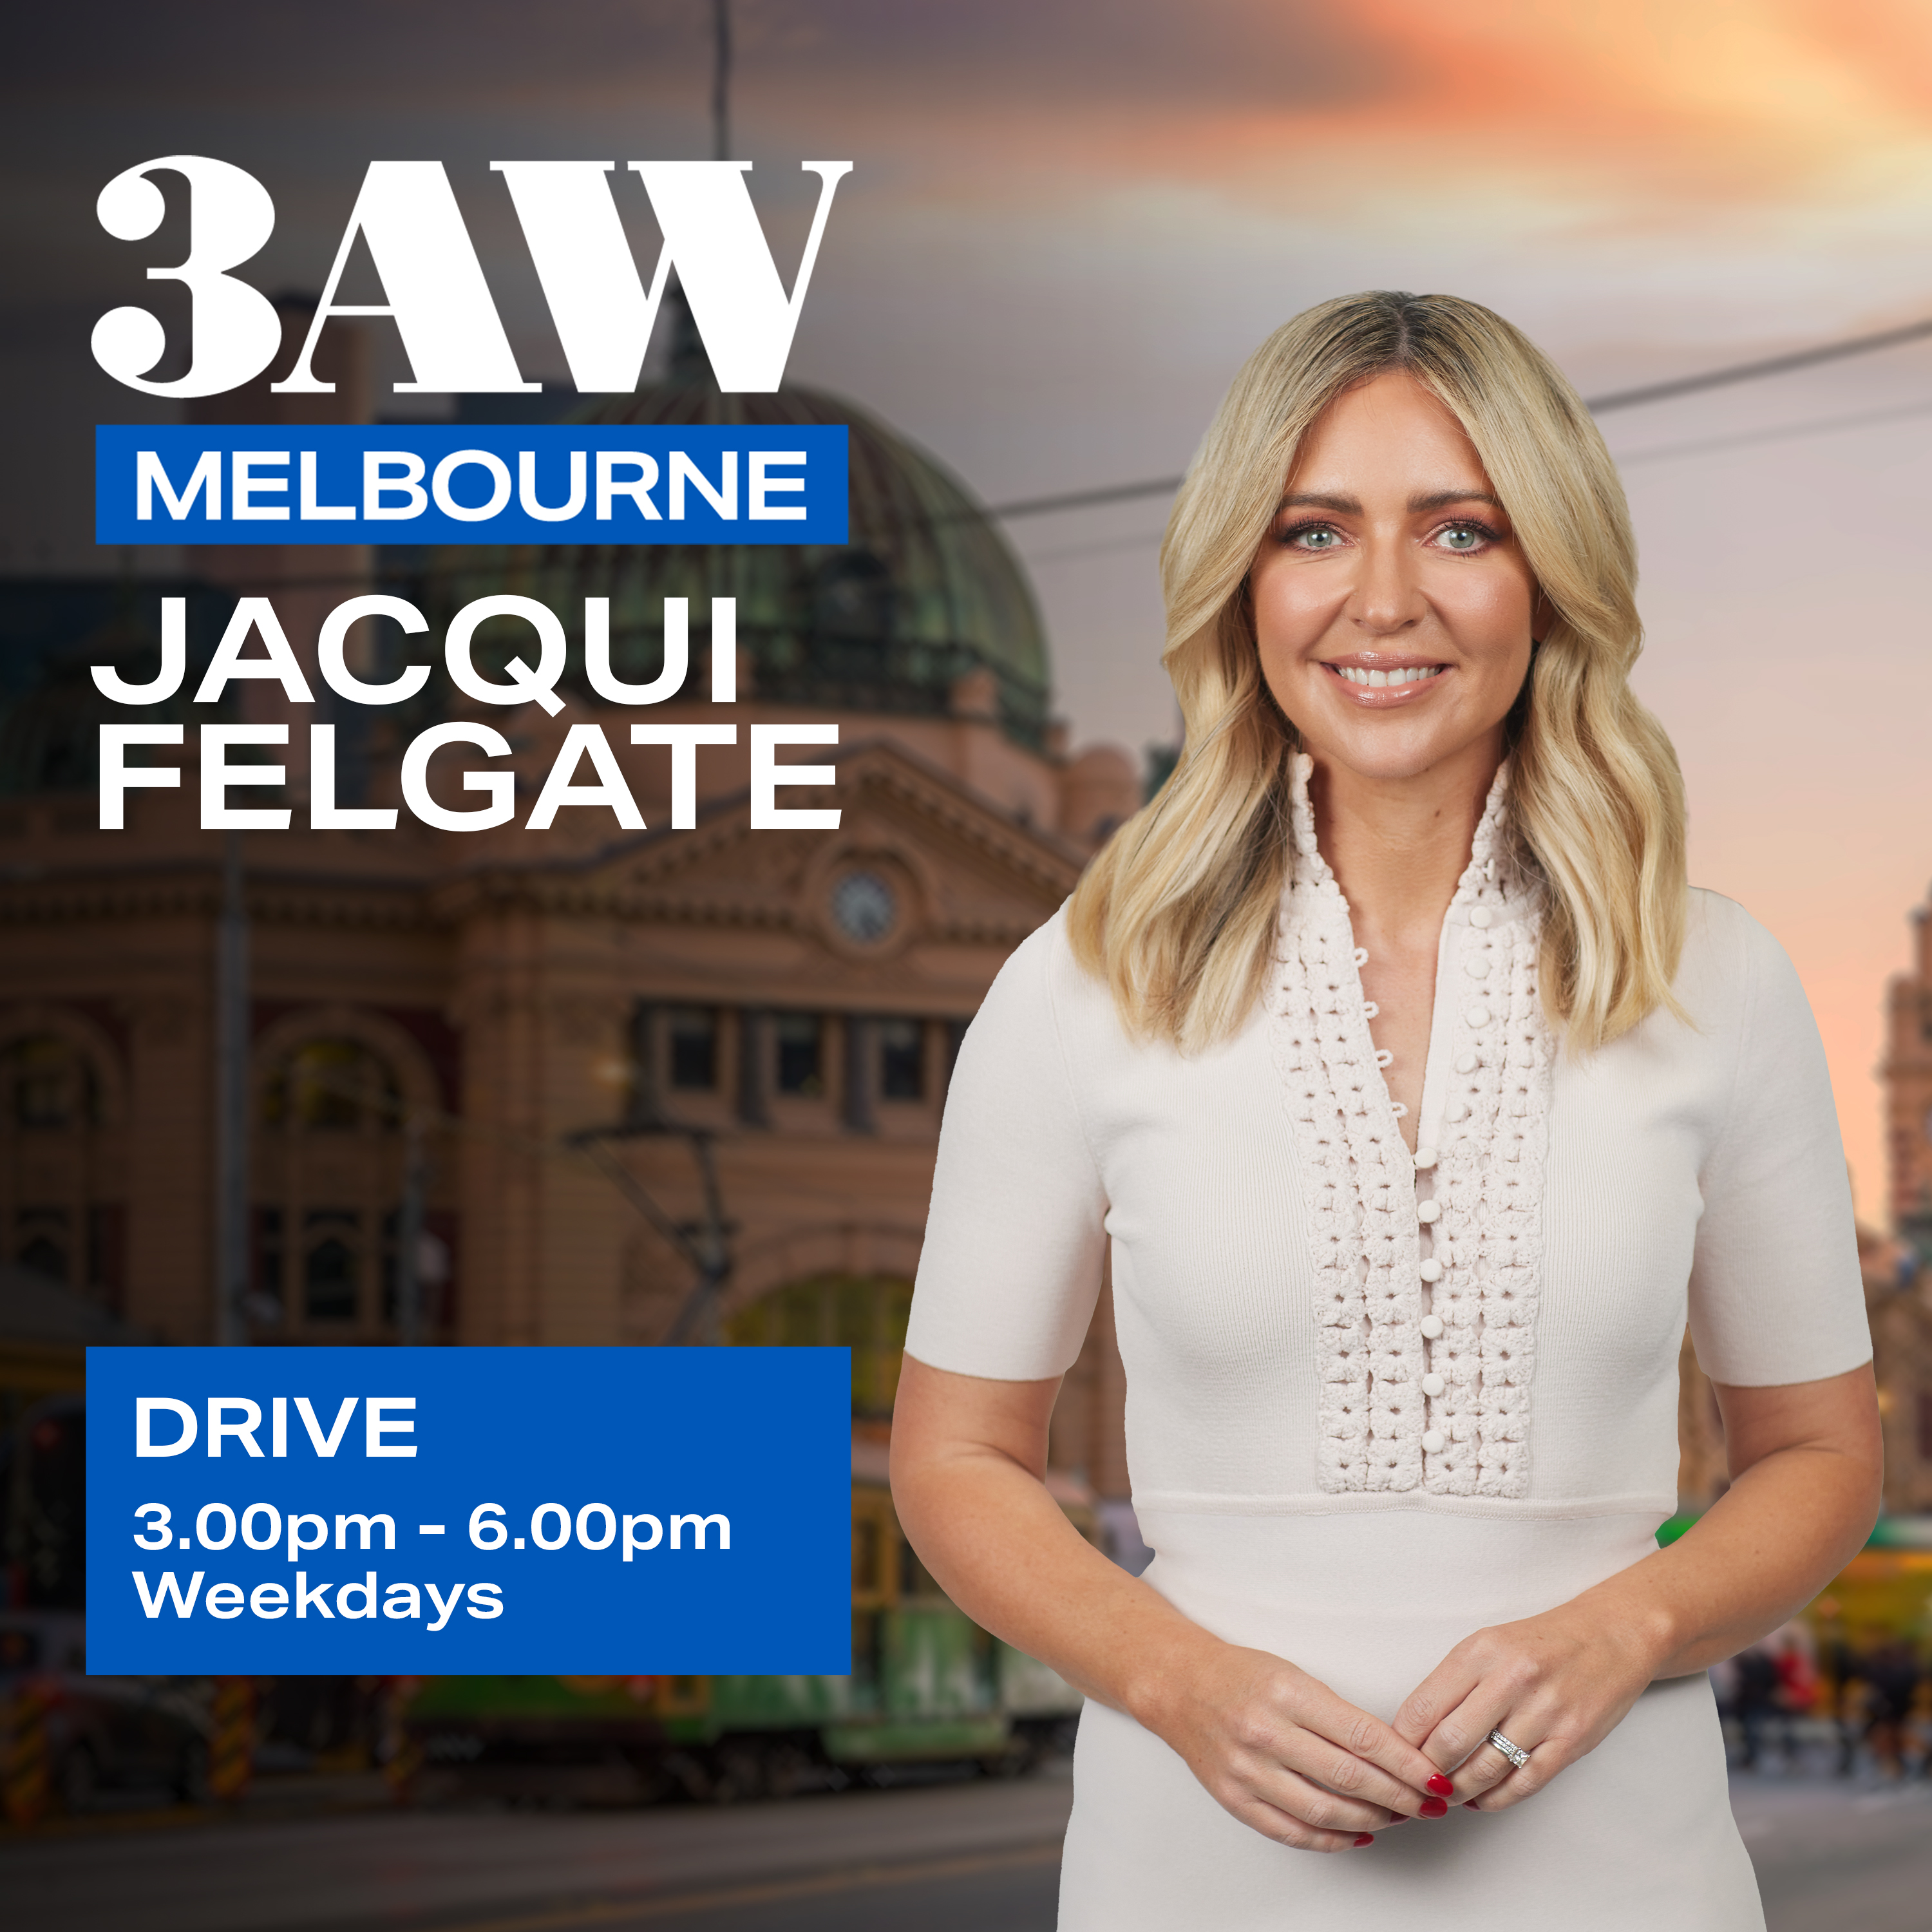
[864,906]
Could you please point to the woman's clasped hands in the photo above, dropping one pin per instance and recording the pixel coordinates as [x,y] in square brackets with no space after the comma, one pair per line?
[1296,1763]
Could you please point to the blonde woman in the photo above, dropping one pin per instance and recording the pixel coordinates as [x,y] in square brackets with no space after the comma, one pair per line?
[1416,1100]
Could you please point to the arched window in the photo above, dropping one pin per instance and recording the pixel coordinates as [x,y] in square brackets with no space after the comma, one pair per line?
[333,1086]
[866,1313]
[330,1174]
[60,1213]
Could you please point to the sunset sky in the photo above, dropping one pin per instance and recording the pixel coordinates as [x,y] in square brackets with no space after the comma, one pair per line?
[1068,224]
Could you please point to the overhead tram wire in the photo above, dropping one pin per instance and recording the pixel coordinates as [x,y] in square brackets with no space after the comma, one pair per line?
[1616,399]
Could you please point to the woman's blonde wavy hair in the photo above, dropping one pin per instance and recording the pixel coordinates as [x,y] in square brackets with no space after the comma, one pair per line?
[1177,914]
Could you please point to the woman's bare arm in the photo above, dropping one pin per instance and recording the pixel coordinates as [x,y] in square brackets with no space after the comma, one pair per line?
[1279,1750]
[1806,1460]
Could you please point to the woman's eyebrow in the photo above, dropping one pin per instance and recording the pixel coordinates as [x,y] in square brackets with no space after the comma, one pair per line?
[1441,500]
[1351,506]
[1346,506]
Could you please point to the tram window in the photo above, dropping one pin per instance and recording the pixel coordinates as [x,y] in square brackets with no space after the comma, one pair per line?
[801,1054]
[902,1060]
[690,1035]
[915,1579]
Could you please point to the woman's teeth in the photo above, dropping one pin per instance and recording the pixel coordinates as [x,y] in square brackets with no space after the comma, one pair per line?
[1378,680]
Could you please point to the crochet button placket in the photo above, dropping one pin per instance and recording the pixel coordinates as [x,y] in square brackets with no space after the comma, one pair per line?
[1360,1184]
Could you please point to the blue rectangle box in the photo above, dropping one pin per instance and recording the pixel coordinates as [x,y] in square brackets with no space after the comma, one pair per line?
[432,484]
[400,1511]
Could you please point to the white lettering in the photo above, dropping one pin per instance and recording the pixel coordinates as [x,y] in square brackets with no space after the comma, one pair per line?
[402,1601]
[407,215]
[724,499]
[444,1611]
[711,231]
[378,484]
[632,1545]
[149,476]
[243,1432]
[526,487]
[684,740]
[268,1601]
[698,1525]
[501,787]
[174,665]
[253,614]
[246,486]
[331,650]
[324,814]
[368,1524]
[767,774]
[376,1426]
[218,774]
[275,1516]
[638,488]
[298,1544]
[144,1445]
[558,789]
[724,650]
[614,690]
[316,1599]
[366,1589]
[235,330]
[225,1601]
[492,465]
[325,1445]
[525,685]
[762,510]
[486,1601]
[118,778]
[168,1591]
[312,510]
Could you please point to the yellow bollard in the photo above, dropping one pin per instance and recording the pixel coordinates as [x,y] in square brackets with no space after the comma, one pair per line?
[231,1750]
[402,1755]
[29,1788]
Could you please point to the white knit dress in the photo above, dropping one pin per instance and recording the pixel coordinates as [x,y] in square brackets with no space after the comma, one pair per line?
[1375,1402]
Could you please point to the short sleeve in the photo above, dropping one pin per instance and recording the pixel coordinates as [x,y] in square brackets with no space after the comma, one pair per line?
[1015,1239]
[1776,1295]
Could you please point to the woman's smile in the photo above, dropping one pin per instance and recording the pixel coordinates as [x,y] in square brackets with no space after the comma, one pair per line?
[1377,681]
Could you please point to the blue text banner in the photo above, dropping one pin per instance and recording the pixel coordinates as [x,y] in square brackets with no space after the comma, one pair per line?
[499,1510]
[435,484]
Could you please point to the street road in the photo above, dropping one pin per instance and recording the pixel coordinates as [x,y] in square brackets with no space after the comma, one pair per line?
[978,1857]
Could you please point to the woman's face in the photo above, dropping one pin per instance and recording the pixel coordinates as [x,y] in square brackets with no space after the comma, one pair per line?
[1391,604]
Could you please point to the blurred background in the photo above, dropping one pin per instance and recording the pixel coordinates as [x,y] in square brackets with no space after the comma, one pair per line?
[594,1087]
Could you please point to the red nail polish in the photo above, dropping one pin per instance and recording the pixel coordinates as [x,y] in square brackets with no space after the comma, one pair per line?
[1434,1807]
[1470,1804]
[1441,1785]
[1365,1837]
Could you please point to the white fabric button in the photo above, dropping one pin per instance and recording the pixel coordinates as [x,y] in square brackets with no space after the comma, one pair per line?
[1425,1157]
[1479,916]
[1433,1384]
[1432,1326]
[1435,1441]
[1476,1016]
[1426,1211]
[1456,1110]
[1478,968]
[1431,1269]
[1465,1061]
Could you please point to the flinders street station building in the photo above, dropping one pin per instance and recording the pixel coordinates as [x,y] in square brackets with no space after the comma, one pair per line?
[585,1085]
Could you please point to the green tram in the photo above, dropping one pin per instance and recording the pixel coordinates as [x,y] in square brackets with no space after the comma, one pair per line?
[928,1686]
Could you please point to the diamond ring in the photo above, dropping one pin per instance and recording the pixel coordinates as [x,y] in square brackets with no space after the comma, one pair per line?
[1517,1755]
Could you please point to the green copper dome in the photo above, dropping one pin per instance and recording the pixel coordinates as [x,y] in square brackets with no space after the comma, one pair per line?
[924,591]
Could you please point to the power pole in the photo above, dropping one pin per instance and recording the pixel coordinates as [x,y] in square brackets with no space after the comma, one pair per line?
[409,1236]
[231,1102]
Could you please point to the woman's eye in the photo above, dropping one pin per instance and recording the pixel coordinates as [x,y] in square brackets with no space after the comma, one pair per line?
[1314,537]
[1463,538]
